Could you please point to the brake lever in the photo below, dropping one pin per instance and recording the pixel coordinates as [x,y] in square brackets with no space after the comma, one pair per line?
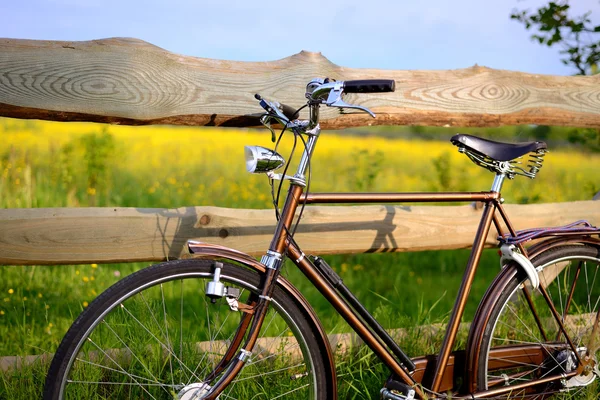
[335,100]
[273,108]
[273,111]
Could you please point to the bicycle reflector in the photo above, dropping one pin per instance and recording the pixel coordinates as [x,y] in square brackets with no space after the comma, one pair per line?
[260,159]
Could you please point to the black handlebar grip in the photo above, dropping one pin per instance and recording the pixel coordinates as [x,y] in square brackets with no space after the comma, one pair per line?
[290,112]
[370,86]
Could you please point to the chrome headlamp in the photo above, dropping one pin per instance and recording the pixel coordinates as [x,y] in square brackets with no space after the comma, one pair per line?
[260,159]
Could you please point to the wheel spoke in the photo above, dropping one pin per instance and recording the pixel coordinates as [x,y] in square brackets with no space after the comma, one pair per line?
[154,381]
[164,307]
[130,351]
[120,367]
[157,339]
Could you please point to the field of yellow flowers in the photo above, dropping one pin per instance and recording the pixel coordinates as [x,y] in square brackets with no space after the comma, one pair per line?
[44,164]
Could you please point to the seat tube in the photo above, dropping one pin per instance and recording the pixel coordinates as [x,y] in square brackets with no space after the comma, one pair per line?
[463,293]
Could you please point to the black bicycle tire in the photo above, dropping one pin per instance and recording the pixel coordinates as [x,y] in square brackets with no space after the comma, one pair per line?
[509,288]
[97,309]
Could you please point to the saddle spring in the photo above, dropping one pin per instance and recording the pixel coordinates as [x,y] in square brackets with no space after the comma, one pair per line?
[510,168]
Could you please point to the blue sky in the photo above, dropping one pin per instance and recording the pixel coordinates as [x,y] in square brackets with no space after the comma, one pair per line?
[383,34]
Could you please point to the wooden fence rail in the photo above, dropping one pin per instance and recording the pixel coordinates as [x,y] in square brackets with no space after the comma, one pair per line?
[128,81]
[95,235]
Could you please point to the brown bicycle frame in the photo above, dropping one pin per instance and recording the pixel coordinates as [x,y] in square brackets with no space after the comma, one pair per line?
[438,378]
[280,244]
[348,306]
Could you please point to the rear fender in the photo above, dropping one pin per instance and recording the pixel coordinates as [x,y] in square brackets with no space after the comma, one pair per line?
[548,244]
[208,250]
[486,305]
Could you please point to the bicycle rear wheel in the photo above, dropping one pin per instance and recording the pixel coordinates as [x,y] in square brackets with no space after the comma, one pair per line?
[156,335]
[518,348]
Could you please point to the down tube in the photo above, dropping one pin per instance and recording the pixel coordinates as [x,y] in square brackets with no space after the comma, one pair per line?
[298,257]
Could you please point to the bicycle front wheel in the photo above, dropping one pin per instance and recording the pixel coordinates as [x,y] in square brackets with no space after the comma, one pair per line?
[521,346]
[156,335]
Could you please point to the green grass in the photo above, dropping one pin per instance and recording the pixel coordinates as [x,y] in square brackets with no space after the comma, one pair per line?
[70,165]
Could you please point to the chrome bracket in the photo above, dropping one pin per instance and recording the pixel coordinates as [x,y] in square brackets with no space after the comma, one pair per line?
[244,355]
[297,180]
[510,253]
[233,303]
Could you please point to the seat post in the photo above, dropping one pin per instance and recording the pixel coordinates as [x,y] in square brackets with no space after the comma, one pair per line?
[498,181]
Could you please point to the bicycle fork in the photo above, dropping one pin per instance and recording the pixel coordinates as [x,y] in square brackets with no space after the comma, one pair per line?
[236,356]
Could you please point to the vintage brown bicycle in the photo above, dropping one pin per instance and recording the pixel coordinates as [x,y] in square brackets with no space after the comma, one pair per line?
[222,325]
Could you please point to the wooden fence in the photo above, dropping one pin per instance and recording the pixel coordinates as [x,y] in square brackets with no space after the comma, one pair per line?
[128,81]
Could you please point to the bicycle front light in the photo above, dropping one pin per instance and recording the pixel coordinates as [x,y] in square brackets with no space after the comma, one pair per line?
[260,159]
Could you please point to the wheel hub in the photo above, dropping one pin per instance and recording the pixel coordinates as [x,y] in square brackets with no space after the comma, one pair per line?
[194,391]
[590,370]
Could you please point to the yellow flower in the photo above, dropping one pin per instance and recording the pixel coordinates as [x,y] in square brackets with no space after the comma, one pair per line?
[85,303]
[91,191]
[94,265]
[86,279]
[40,295]
[344,268]
[77,272]
[25,298]
[1,312]
[10,291]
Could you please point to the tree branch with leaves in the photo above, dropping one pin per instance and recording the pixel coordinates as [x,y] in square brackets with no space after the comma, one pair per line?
[578,38]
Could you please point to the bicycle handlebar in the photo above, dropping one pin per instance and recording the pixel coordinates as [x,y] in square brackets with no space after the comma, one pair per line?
[370,86]
[328,92]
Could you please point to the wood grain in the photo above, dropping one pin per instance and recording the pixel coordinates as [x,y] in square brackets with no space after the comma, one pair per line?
[129,81]
[96,235]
